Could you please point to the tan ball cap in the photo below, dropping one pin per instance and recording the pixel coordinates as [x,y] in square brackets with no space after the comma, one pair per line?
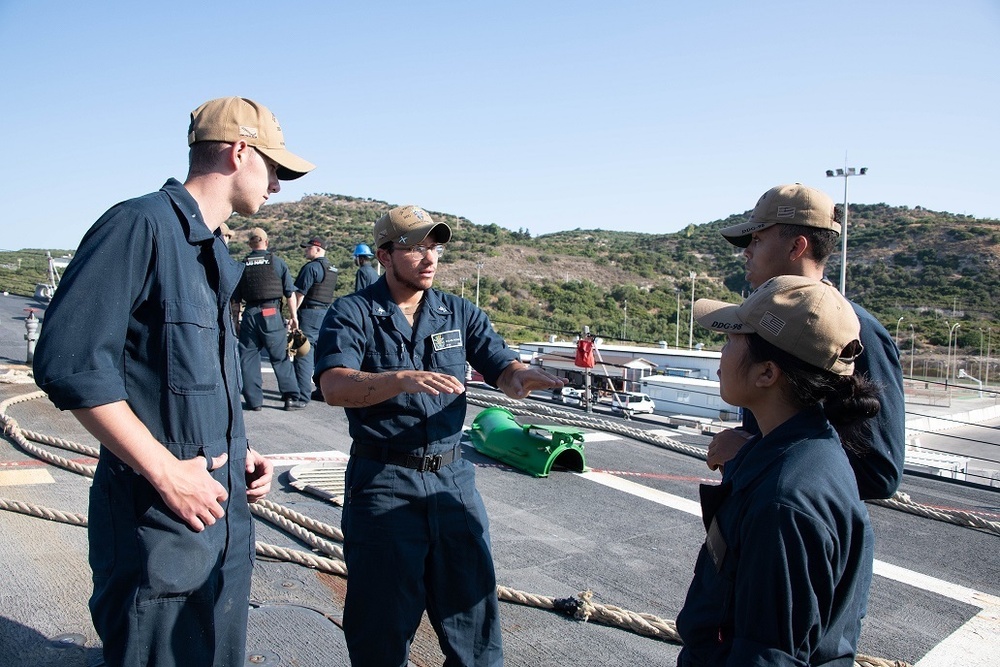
[408,225]
[794,204]
[232,119]
[807,318]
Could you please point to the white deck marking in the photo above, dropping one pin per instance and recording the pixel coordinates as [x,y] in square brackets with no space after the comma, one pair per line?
[598,436]
[975,644]
[25,477]
[636,489]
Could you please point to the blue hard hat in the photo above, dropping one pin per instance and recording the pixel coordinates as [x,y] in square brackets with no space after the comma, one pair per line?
[362,250]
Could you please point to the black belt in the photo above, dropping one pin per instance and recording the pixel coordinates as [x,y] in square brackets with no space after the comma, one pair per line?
[382,453]
[311,306]
[270,303]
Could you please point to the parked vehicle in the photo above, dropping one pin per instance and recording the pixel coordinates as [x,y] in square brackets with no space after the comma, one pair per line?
[567,395]
[632,403]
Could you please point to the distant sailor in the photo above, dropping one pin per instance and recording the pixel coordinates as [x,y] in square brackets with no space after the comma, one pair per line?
[366,274]
[315,286]
[265,280]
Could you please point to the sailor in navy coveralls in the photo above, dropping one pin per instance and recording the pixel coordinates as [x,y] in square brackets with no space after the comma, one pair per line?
[416,534]
[139,343]
[314,288]
[783,576]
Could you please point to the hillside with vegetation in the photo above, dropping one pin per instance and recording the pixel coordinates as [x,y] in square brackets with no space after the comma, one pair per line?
[932,269]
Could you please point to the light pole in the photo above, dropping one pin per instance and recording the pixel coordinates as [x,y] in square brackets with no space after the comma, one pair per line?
[625,322]
[897,329]
[947,365]
[844,173]
[912,342]
[981,352]
[677,327]
[463,286]
[989,341]
[691,327]
[479,267]
[947,362]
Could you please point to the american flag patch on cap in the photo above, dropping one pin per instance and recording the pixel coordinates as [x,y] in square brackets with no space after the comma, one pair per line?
[786,212]
[772,324]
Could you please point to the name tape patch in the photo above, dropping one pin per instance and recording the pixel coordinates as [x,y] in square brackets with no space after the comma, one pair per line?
[446,340]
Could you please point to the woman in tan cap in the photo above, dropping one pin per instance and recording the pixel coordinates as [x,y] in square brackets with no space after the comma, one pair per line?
[784,572]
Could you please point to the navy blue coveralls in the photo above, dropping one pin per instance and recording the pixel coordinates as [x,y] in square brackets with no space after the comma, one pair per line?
[782,578]
[365,276]
[142,315]
[311,313]
[412,539]
[262,326]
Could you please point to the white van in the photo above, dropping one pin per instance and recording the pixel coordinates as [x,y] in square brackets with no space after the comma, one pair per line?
[632,403]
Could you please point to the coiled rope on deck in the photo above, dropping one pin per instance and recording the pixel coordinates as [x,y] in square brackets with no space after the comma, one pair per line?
[309,530]
[581,608]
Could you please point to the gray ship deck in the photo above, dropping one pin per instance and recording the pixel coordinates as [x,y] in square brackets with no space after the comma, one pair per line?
[628,531]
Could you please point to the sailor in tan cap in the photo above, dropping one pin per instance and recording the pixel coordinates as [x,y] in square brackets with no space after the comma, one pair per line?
[793,230]
[784,572]
[416,536]
[139,343]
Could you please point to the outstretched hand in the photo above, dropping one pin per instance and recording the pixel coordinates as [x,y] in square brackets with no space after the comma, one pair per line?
[518,380]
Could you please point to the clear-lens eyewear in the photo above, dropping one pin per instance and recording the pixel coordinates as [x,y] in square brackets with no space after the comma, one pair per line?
[421,250]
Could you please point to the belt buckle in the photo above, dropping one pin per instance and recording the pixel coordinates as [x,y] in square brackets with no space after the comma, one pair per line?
[430,463]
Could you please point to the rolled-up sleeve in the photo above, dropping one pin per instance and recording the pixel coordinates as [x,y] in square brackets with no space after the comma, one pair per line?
[341,341]
[487,351]
[79,360]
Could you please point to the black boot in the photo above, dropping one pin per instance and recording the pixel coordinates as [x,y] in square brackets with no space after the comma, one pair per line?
[293,403]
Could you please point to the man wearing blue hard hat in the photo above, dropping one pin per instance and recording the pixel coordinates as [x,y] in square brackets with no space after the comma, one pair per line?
[366,274]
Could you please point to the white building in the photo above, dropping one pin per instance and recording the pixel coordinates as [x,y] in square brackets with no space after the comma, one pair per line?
[688,396]
[680,382]
[702,364]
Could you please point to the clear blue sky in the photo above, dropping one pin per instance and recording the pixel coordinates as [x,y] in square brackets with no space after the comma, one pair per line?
[643,116]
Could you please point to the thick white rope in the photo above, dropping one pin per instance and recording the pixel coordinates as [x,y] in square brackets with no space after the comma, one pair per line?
[899,501]
[299,525]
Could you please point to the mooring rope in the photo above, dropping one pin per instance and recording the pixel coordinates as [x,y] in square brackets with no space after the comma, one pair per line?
[899,501]
[292,528]
[582,608]
[303,520]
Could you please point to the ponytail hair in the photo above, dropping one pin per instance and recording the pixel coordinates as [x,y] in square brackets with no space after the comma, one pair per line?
[849,401]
